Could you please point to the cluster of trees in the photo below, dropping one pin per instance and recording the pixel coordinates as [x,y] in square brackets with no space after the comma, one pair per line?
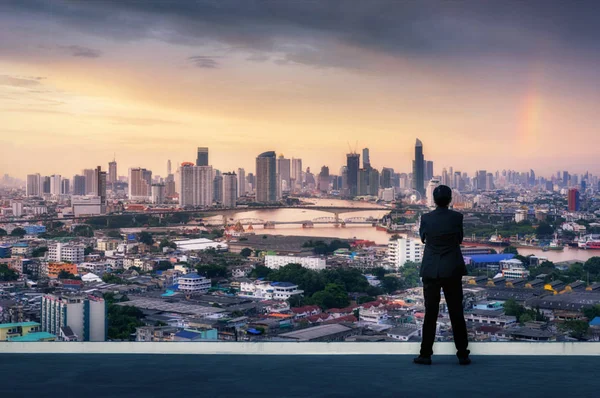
[122,320]
[167,243]
[320,247]
[18,232]
[67,275]
[543,229]
[7,274]
[113,278]
[211,270]
[39,251]
[576,272]
[512,308]
[332,287]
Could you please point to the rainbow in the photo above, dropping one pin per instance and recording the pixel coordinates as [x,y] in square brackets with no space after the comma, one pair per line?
[530,113]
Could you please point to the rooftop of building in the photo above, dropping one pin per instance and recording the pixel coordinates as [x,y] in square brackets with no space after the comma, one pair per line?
[31,337]
[18,324]
[314,375]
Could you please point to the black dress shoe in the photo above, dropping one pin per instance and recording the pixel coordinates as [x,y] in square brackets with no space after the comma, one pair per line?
[464,360]
[422,360]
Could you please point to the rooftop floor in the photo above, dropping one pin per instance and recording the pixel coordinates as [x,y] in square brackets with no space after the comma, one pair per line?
[151,375]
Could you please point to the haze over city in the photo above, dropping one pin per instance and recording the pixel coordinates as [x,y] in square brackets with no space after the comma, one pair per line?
[507,85]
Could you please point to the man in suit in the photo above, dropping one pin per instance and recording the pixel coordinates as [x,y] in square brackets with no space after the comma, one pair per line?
[442,268]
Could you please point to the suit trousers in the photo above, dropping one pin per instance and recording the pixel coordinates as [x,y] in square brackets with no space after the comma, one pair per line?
[453,294]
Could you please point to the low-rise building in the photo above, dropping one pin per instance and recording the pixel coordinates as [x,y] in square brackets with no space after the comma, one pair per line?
[403,333]
[54,269]
[72,253]
[193,284]
[310,262]
[513,269]
[331,332]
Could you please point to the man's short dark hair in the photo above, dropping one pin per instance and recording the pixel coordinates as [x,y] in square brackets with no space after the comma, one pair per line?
[442,195]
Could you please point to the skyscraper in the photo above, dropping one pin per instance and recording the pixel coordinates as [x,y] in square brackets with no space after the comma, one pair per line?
[112,172]
[324,179]
[363,182]
[241,182]
[386,177]
[445,177]
[202,159]
[196,185]
[573,199]
[373,182]
[266,178]
[230,190]
[433,183]
[55,180]
[481,180]
[89,181]
[169,167]
[45,185]
[429,169]
[352,164]
[139,187]
[296,175]
[33,185]
[78,185]
[419,169]
[100,179]
[284,173]
[218,187]
[366,159]
[65,186]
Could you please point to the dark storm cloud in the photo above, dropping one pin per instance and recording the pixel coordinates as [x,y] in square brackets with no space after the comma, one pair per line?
[395,27]
[80,51]
[204,61]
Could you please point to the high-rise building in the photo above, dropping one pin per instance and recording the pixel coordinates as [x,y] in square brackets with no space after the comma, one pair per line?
[324,179]
[100,179]
[241,175]
[89,182]
[363,182]
[433,183]
[296,175]
[230,190]
[112,172]
[419,169]
[445,177]
[386,177]
[218,187]
[429,170]
[250,182]
[55,180]
[45,185]
[202,159]
[169,167]
[158,194]
[489,181]
[196,185]
[458,181]
[481,180]
[79,185]
[352,165]
[402,250]
[565,178]
[266,178]
[366,159]
[170,186]
[573,199]
[139,187]
[65,186]
[373,182]
[69,317]
[33,185]
[284,173]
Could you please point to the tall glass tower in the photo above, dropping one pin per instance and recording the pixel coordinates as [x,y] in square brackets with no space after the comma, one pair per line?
[419,169]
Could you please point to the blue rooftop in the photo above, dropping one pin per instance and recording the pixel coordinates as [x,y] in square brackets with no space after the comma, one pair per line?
[188,334]
[30,337]
[282,284]
[192,275]
[595,321]
[17,324]
[490,258]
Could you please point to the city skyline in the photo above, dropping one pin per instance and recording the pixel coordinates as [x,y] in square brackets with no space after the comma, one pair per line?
[482,88]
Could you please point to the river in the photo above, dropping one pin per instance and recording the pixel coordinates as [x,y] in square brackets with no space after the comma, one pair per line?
[363,231]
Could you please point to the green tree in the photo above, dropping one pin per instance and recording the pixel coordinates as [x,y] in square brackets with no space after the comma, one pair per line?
[2,232]
[260,271]
[591,312]
[390,284]
[112,278]
[163,266]
[246,252]
[123,321]
[577,329]
[526,317]
[212,270]
[83,230]
[512,308]
[379,272]
[544,229]
[7,274]
[146,238]
[592,265]
[88,250]
[39,251]
[19,232]
[510,250]
[114,234]
[67,275]
[334,296]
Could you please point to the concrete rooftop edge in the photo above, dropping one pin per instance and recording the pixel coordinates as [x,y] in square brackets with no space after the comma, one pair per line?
[296,348]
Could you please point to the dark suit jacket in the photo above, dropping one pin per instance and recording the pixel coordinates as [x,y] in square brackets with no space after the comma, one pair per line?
[442,233]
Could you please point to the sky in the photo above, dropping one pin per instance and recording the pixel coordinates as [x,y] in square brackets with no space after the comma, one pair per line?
[484,84]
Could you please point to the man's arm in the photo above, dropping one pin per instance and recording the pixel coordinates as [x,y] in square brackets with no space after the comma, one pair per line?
[462,232]
[422,230]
